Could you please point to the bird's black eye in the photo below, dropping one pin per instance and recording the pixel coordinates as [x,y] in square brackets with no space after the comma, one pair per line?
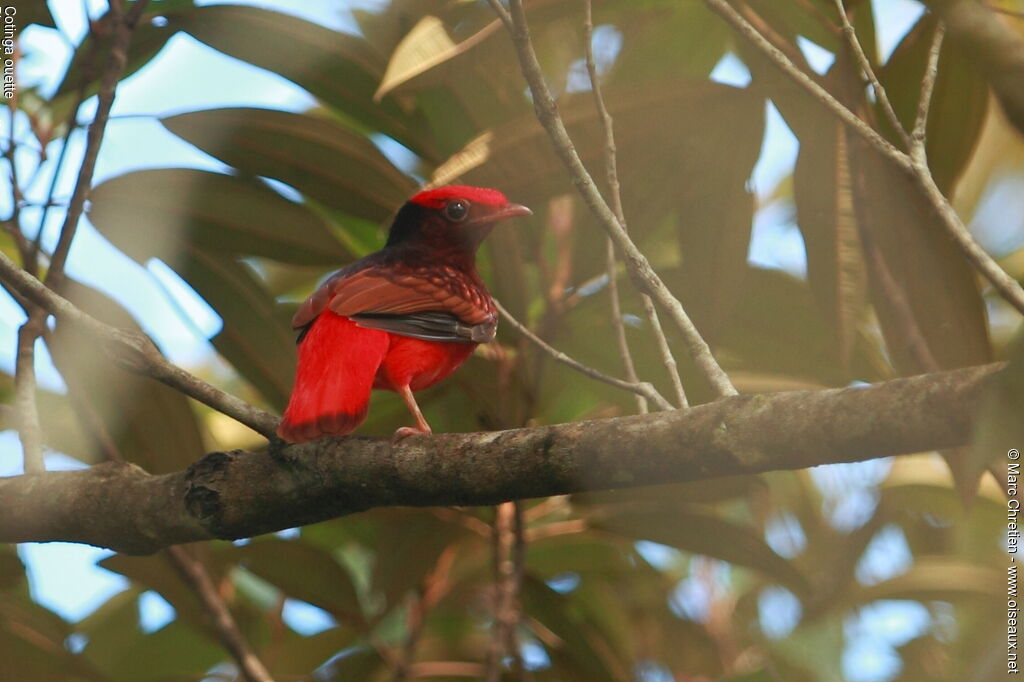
[456,211]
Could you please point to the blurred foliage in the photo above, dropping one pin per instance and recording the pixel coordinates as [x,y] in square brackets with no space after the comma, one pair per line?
[676,581]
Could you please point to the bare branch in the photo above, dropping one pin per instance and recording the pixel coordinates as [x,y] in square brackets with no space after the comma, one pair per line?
[643,389]
[198,579]
[1008,287]
[136,352]
[509,551]
[612,172]
[240,494]
[190,568]
[869,72]
[855,123]
[667,357]
[28,414]
[620,326]
[931,72]
[29,431]
[646,279]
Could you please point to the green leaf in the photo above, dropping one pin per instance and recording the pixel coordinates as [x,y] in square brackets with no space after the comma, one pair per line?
[321,582]
[959,102]
[815,20]
[297,656]
[12,571]
[256,337]
[815,650]
[824,196]
[151,424]
[578,552]
[156,573]
[715,217]
[518,157]
[682,39]
[923,271]
[211,211]
[579,654]
[174,651]
[803,348]
[414,541]
[944,578]
[700,533]
[930,273]
[112,629]
[999,428]
[339,69]
[360,664]
[92,54]
[32,12]
[32,642]
[323,160]
[424,47]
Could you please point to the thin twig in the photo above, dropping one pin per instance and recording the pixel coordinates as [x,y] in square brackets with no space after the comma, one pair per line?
[646,279]
[641,388]
[435,586]
[667,357]
[509,554]
[122,26]
[88,66]
[614,188]
[13,225]
[869,72]
[192,571]
[620,327]
[745,29]
[136,351]
[1008,287]
[516,584]
[28,412]
[30,433]
[611,169]
[924,102]
[903,313]
[198,579]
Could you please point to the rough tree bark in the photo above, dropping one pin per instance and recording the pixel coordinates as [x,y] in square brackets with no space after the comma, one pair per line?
[238,494]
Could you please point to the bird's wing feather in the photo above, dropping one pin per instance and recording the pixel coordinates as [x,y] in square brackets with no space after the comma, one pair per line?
[431,326]
[379,291]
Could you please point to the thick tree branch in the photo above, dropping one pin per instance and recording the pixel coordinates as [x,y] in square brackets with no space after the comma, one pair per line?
[240,494]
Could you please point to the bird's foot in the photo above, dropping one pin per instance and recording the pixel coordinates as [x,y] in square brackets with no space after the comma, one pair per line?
[406,431]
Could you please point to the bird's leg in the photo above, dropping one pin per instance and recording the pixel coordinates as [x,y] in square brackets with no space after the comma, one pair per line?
[421,424]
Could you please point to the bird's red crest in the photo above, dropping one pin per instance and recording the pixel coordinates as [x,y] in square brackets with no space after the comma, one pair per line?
[436,198]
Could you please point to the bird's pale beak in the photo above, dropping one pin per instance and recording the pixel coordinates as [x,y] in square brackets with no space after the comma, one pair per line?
[503,213]
[513,211]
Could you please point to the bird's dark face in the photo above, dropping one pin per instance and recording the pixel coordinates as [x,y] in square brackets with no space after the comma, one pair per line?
[452,219]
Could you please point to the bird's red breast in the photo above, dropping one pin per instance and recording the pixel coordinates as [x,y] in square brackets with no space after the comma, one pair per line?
[402,318]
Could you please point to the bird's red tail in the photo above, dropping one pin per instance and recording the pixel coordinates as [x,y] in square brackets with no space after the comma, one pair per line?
[336,367]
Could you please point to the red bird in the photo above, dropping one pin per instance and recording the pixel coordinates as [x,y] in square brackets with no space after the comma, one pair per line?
[401,319]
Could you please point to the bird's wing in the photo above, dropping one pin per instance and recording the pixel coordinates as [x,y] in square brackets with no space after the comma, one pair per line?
[432,326]
[397,301]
